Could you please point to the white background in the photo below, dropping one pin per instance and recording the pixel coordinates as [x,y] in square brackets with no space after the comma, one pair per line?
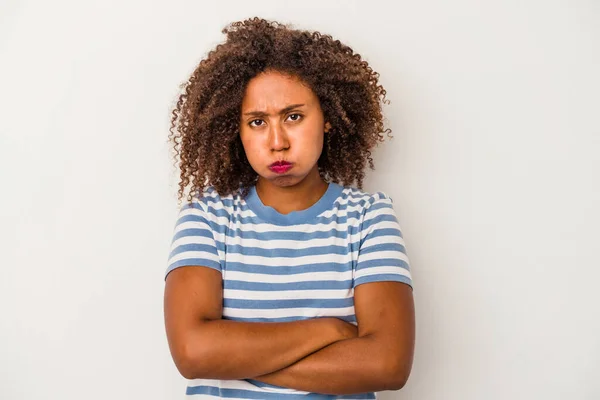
[494,172]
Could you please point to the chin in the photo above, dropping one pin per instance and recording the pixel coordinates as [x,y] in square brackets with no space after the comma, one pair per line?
[283,180]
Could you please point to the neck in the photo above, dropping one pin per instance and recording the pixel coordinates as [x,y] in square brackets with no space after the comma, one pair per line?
[286,199]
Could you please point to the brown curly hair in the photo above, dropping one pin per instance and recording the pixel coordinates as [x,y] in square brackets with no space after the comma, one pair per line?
[207,114]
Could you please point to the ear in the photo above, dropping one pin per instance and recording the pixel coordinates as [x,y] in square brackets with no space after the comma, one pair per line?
[327,126]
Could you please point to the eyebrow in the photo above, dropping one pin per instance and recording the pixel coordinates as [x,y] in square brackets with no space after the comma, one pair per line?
[282,111]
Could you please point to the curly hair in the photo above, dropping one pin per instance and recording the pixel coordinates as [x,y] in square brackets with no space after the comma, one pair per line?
[207,113]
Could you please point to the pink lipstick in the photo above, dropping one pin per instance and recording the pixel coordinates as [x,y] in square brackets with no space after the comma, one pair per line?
[280,167]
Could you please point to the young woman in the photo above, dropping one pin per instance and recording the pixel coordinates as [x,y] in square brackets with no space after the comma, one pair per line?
[285,279]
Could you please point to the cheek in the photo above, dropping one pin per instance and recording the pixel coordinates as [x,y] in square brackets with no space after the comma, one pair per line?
[251,148]
[309,137]
[317,144]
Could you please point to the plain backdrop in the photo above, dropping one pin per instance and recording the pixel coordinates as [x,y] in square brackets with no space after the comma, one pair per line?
[494,169]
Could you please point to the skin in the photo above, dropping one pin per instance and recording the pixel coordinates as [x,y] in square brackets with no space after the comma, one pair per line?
[281,119]
[322,355]
[379,358]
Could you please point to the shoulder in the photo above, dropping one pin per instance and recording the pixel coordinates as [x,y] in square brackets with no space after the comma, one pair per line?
[211,202]
[368,211]
[363,201]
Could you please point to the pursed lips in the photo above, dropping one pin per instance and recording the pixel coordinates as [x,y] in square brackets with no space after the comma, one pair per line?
[280,163]
[280,167]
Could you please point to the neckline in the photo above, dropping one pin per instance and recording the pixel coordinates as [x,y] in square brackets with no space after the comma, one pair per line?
[269,214]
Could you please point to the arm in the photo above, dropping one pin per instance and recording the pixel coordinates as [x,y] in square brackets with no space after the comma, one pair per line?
[380,358]
[205,346]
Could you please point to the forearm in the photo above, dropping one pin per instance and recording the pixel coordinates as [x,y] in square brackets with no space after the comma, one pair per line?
[223,349]
[350,366]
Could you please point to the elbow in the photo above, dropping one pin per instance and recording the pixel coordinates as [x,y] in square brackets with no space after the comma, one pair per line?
[187,370]
[185,365]
[396,382]
[188,363]
[395,375]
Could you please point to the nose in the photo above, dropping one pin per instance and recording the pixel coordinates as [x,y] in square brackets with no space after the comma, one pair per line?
[278,139]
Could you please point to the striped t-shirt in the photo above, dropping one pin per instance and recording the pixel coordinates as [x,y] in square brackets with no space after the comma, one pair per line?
[286,267]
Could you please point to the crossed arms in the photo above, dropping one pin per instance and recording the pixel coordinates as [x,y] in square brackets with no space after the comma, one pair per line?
[322,355]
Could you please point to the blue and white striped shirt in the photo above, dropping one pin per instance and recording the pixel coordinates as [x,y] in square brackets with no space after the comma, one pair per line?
[286,267]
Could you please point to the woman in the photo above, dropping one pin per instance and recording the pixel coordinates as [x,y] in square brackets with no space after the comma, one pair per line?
[284,279]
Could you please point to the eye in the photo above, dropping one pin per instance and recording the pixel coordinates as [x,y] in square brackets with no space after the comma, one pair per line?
[254,120]
[298,117]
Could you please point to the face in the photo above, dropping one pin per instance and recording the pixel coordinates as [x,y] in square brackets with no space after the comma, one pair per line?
[281,128]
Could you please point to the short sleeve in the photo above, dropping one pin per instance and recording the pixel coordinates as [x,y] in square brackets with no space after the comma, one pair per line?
[382,253]
[193,241]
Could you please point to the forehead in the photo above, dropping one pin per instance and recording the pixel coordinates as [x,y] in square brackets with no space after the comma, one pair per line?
[276,90]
